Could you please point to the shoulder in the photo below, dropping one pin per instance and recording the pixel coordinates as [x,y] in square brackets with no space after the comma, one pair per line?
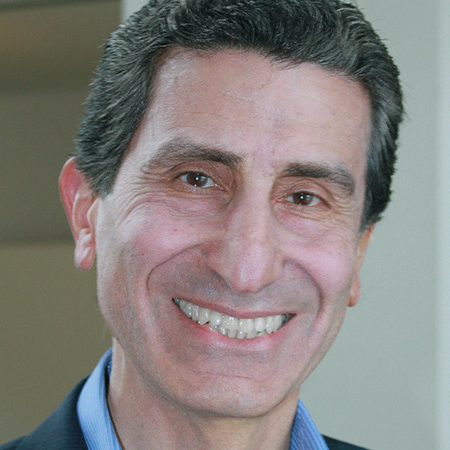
[334,444]
[60,431]
[11,445]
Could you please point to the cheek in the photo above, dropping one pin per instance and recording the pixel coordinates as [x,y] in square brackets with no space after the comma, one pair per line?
[156,237]
[331,261]
[332,266]
[146,239]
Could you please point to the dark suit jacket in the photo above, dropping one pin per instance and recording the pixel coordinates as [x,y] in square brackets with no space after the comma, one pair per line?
[61,431]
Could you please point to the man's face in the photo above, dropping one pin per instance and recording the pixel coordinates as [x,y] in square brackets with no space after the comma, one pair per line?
[241,193]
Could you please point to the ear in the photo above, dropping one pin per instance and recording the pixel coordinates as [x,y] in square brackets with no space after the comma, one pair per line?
[355,289]
[80,204]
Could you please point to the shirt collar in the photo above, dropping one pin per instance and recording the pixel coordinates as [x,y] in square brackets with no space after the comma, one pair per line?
[92,409]
[99,432]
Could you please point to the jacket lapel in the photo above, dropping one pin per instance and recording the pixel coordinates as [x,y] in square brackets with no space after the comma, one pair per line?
[61,431]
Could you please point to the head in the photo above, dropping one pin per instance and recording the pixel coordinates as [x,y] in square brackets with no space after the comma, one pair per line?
[234,155]
[329,33]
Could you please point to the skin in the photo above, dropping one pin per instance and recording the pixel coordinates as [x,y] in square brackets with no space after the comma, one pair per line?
[270,226]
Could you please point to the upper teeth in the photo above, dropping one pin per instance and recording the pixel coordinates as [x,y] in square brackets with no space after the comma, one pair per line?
[230,326]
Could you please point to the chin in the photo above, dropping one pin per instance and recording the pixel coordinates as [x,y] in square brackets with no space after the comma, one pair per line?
[241,398]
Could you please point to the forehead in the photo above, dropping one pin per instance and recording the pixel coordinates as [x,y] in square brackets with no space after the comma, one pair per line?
[253,106]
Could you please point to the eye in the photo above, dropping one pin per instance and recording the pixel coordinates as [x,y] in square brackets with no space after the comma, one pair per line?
[197,179]
[304,199]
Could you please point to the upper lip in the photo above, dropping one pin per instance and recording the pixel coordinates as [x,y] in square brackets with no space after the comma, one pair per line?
[241,314]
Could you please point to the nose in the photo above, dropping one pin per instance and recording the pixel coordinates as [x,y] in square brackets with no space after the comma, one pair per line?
[246,254]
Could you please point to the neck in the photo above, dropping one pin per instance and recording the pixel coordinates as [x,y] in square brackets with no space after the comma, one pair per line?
[145,417]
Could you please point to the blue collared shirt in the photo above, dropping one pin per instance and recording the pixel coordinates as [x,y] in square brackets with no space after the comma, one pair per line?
[99,432]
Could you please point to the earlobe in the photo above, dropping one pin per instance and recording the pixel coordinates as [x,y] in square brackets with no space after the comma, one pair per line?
[355,290]
[80,205]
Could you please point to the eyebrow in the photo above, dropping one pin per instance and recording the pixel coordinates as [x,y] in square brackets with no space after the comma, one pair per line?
[178,151]
[337,175]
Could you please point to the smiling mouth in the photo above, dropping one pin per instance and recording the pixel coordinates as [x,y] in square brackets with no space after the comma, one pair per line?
[232,327]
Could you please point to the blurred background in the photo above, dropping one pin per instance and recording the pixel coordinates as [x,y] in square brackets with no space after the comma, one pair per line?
[385,384]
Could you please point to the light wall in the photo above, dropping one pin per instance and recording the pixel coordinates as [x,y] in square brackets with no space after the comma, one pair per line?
[443,213]
[130,6]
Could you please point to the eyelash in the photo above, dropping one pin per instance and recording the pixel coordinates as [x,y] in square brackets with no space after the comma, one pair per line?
[184,177]
[310,199]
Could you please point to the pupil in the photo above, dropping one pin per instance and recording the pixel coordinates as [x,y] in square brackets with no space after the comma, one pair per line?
[302,198]
[197,179]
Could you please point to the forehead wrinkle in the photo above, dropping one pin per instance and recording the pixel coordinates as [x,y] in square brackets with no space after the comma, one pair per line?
[178,151]
[337,175]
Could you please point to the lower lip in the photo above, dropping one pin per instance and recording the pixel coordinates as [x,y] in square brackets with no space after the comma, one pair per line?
[213,337]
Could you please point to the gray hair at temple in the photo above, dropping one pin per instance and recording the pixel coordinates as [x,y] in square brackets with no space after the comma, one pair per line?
[329,33]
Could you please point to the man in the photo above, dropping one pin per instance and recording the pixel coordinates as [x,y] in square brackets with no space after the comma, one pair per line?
[232,162]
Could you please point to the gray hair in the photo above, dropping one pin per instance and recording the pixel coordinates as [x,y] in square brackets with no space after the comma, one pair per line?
[329,33]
